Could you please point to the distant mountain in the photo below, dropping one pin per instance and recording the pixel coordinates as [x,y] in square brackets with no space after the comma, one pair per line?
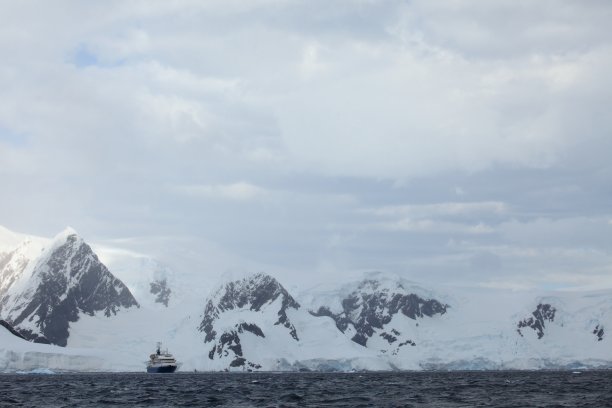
[227,312]
[385,322]
[58,291]
[559,317]
[369,308]
[41,295]
[150,281]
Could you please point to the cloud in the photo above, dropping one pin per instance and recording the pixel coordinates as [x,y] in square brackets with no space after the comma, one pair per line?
[508,284]
[458,141]
[440,209]
[506,28]
[240,191]
[449,218]
[431,113]
[430,226]
[311,63]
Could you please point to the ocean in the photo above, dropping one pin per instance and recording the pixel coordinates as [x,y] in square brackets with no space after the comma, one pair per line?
[395,389]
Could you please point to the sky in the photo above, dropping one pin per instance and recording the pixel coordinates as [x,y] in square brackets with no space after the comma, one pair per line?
[456,142]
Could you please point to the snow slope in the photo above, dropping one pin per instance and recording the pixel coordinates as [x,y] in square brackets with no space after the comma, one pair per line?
[18,253]
[142,274]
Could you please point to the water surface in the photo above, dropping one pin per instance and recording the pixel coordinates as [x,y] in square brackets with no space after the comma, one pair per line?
[408,389]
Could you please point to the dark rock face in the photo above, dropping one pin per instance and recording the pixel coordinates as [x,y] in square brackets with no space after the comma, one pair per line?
[72,280]
[412,343]
[230,341]
[161,290]
[370,307]
[389,337]
[544,313]
[252,328]
[252,293]
[599,332]
[238,362]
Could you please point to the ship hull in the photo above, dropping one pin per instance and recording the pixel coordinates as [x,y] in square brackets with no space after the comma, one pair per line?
[162,369]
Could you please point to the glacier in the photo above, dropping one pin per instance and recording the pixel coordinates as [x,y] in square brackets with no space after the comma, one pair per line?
[19,355]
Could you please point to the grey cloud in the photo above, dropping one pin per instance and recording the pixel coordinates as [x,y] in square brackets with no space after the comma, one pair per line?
[450,142]
[509,28]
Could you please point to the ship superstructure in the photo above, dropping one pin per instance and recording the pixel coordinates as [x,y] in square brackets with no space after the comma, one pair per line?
[161,361]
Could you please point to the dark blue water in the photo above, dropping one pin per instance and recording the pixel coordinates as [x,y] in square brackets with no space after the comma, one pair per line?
[413,389]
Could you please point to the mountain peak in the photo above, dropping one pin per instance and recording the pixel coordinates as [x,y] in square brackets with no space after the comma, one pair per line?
[67,237]
[66,279]
[227,315]
[65,233]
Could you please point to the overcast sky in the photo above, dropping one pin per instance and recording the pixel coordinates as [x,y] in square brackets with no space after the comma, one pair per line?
[464,142]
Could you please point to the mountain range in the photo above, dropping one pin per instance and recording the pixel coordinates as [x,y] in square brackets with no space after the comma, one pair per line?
[63,308]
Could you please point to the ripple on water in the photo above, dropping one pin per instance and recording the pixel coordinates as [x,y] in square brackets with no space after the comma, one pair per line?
[543,389]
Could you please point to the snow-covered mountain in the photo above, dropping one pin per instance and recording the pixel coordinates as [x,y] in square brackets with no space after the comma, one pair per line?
[254,323]
[227,316]
[58,291]
[384,322]
[41,295]
[378,308]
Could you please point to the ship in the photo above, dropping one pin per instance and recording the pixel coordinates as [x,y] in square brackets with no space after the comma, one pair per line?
[161,361]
